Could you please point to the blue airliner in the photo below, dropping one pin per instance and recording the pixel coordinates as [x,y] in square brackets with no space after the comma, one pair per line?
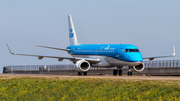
[85,56]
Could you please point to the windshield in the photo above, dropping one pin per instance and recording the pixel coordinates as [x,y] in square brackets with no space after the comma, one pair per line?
[131,50]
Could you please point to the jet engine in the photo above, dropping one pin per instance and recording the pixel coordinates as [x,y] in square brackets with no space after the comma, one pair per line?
[139,67]
[83,65]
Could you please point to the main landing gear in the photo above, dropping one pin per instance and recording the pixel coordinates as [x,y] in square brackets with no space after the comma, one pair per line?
[117,71]
[80,73]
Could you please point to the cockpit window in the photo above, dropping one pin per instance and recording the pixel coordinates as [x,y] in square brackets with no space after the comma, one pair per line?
[131,50]
[126,50]
[136,50]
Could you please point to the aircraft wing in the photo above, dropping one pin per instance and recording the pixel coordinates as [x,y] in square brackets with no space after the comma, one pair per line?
[73,59]
[53,48]
[152,57]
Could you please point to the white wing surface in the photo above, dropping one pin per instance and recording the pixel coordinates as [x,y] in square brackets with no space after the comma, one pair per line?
[73,59]
[153,57]
[53,48]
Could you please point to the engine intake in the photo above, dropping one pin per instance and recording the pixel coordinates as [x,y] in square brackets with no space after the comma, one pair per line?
[139,67]
[83,65]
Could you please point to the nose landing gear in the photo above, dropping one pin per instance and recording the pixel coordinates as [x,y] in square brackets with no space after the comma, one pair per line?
[129,73]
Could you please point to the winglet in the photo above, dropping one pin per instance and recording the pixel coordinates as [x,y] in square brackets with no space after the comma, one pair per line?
[10,50]
[174,54]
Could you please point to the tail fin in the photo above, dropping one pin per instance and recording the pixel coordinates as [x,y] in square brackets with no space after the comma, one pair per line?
[72,33]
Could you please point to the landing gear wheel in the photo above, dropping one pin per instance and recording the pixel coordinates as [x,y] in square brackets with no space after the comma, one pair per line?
[85,73]
[120,72]
[79,73]
[115,72]
[129,73]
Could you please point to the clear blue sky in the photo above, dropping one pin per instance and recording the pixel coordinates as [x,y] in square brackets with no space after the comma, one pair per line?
[153,26]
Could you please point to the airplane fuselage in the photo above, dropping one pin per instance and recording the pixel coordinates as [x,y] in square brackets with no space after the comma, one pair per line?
[110,54]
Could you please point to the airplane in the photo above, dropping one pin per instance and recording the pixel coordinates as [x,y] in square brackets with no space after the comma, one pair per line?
[85,56]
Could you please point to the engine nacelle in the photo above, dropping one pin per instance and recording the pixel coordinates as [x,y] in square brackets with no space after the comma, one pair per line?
[139,67]
[83,65]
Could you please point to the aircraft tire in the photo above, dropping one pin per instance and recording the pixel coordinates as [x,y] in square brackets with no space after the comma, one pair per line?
[79,73]
[85,73]
[130,73]
[120,72]
[115,72]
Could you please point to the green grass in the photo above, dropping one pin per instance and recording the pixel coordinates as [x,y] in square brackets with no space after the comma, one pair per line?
[71,89]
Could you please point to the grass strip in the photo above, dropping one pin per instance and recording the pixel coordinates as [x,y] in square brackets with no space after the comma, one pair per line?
[87,89]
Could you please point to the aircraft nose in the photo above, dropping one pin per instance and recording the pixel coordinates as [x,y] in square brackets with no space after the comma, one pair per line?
[135,58]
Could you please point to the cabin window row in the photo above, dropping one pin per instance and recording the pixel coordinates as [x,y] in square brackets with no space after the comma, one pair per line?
[93,51]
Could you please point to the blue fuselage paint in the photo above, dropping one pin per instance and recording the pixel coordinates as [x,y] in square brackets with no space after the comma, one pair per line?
[116,51]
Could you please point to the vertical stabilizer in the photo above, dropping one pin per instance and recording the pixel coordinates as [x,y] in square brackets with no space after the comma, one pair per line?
[72,33]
